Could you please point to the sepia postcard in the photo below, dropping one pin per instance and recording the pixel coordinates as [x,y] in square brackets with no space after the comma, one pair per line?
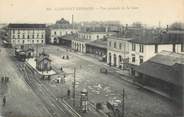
[91,58]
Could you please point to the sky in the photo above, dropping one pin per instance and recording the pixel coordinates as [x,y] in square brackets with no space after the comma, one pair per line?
[149,12]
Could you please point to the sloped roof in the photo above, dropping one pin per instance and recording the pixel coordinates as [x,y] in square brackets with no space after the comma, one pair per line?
[161,38]
[26,26]
[68,37]
[42,56]
[165,66]
[98,43]
[82,40]
[62,26]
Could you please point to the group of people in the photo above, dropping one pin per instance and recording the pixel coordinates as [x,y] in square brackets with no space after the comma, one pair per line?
[4,79]
[67,57]
[4,100]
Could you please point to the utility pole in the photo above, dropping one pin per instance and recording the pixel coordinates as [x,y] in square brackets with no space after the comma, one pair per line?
[72,22]
[74,88]
[123,104]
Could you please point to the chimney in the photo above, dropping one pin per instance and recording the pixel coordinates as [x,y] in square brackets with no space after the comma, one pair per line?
[72,22]
[122,29]
[167,28]
[126,27]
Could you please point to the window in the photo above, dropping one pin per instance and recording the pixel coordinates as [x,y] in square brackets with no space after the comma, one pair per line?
[182,47]
[42,41]
[23,36]
[13,36]
[32,41]
[133,47]
[109,43]
[28,36]
[119,45]
[174,48]
[114,44]
[37,35]
[141,48]
[141,59]
[32,36]
[133,58]
[42,36]
[37,41]
[18,36]
[90,37]
[23,41]
[156,48]
[55,32]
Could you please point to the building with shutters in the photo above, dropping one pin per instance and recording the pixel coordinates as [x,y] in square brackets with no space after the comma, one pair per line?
[26,34]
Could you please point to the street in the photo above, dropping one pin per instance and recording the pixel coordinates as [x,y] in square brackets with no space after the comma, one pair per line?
[104,87]
[29,95]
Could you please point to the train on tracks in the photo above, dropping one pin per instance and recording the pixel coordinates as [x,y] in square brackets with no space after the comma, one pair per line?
[20,55]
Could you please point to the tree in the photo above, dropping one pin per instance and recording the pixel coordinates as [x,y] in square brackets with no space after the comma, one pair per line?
[62,21]
[137,25]
[177,26]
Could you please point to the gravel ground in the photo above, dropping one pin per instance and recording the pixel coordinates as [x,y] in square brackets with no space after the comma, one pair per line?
[102,87]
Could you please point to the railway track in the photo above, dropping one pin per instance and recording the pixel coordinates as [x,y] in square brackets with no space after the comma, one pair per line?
[56,107]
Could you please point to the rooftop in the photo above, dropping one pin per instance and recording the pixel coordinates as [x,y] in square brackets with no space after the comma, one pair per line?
[166,66]
[97,32]
[61,26]
[82,40]
[171,37]
[26,26]
[98,43]
[69,37]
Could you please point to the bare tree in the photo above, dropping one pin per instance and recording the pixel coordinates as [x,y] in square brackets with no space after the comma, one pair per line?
[177,26]
[137,24]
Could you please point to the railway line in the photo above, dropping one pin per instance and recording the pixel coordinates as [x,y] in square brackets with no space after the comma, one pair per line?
[56,107]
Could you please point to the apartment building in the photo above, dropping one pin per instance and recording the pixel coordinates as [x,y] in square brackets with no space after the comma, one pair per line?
[145,47]
[118,51]
[57,31]
[26,34]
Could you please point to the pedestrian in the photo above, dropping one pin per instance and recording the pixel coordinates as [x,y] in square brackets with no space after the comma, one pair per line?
[67,57]
[61,69]
[68,93]
[4,100]
[6,79]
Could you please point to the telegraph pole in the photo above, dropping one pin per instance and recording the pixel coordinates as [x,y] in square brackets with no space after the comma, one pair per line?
[123,104]
[74,88]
